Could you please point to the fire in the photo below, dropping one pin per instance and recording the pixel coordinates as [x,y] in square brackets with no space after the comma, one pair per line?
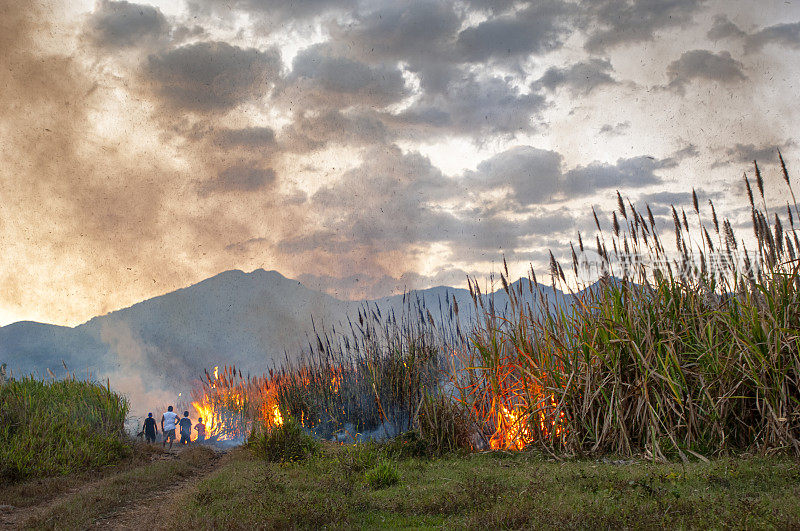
[277,418]
[514,429]
[512,432]
[229,403]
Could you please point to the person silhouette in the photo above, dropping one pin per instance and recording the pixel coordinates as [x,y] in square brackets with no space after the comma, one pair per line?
[150,428]
[186,428]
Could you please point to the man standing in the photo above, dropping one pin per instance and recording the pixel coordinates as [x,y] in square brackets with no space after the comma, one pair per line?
[168,422]
[186,428]
[150,428]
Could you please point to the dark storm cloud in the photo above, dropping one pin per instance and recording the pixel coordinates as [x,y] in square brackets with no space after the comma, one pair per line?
[705,65]
[124,24]
[317,69]
[581,78]
[213,76]
[612,23]
[540,27]
[475,106]
[240,178]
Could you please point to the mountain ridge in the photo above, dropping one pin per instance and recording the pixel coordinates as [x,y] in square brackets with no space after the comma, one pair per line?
[160,345]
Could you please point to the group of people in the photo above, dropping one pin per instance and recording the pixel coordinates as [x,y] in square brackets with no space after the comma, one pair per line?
[169,423]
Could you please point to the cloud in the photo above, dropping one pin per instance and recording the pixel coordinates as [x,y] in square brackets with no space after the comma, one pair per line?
[535,176]
[124,24]
[359,286]
[213,76]
[314,131]
[723,28]
[475,106]
[382,217]
[615,130]
[540,27]
[580,78]
[319,74]
[787,35]
[747,153]
[634,172]
[705,65]
[413,32]
[88,209]
[611,23]
[270,14]
[688,152]
[249,137]
[240,178]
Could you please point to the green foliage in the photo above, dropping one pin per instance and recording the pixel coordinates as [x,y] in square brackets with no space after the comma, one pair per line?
[360,456]
[287,442]
[444,425]
[385,474]
[406,445]
[58,426]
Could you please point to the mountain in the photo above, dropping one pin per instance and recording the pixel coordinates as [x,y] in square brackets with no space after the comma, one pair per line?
[155,349]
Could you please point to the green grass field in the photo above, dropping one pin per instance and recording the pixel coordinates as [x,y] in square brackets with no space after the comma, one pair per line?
[496,489]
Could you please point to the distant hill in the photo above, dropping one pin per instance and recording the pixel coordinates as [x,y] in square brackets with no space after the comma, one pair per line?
[155,349]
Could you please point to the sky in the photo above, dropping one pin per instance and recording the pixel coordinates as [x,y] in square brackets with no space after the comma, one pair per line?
[364,147]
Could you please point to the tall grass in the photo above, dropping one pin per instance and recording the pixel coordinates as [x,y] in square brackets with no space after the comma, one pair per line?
[372,379]
[689,344]
[694,351]
[368,383]
[52,427]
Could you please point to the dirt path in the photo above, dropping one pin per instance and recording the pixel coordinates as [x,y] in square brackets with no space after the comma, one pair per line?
[127,512]
[141,513]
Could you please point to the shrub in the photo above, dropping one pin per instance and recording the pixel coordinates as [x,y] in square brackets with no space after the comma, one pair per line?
[405,445]
[360,456]
[287,442]
[383,475]
[59,426]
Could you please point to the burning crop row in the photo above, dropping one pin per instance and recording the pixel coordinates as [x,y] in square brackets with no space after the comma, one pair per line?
[670,353]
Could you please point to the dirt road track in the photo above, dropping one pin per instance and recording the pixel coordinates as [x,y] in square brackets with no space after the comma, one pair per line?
[140,510]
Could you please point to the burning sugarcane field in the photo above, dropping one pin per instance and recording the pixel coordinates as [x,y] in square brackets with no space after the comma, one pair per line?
[508,264]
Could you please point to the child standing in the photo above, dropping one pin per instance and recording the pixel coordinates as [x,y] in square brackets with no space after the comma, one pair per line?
[200,428]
